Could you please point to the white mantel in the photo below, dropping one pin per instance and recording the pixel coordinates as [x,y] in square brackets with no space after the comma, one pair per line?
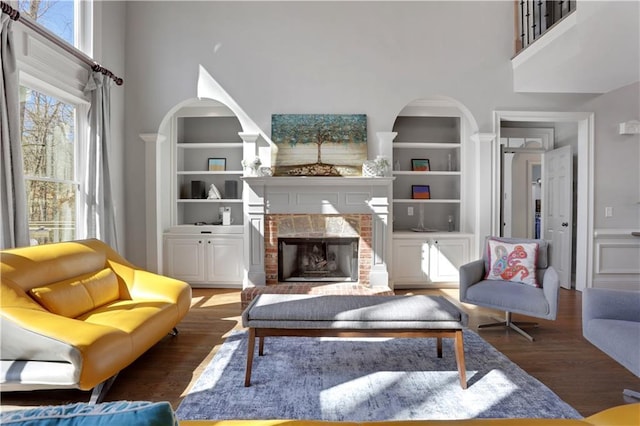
[316,195]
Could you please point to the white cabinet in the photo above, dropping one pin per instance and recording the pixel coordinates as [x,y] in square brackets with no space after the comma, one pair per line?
[184,258]
[428,259]
[211,260]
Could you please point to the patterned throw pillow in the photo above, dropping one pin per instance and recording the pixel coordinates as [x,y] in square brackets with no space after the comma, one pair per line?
[512,262]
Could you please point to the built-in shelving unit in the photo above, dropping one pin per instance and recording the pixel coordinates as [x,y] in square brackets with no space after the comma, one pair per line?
[429,244]
[436,139]
[198,248]
[198,140]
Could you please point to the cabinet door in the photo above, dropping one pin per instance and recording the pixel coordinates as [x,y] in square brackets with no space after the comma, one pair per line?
[224,260]
[410,261]
[184,258]
[445,258]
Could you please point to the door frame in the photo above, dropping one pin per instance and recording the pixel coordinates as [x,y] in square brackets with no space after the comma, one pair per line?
[584,204]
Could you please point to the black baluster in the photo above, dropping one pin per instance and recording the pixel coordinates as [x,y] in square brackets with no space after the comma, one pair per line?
[522,23]
[528,14]
[533,27]
[540,28]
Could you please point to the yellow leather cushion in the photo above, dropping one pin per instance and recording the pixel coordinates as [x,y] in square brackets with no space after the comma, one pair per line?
[76,296]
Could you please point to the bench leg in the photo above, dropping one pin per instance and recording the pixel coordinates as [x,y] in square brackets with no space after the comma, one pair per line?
[459,346]
[261,346]
[439,346]
[250,347]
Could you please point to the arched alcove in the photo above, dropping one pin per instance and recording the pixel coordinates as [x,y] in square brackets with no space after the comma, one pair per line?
[199,146]
[434,201]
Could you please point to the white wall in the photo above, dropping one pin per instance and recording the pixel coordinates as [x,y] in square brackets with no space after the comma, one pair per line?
[317,57]
[617,159]
[617,185]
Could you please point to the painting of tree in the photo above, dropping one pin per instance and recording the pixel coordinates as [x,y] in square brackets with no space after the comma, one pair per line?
[319,144]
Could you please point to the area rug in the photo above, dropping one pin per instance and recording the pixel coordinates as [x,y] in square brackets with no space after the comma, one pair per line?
[363,379]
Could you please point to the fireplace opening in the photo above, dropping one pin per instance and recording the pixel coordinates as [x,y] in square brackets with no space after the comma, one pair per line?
[318,259]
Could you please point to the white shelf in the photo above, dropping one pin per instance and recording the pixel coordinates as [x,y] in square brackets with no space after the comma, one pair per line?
[427,201]
[225,145]
[426,145]
[206,200]
[430,173]
[200,172]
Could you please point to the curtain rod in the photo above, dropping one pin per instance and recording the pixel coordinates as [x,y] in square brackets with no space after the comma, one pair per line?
[29,23]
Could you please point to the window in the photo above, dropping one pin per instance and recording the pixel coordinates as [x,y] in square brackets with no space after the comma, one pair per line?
[53,124]
[49,148]
[55,15]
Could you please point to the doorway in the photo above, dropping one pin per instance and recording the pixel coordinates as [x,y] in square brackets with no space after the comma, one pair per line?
[521,151]
[582,123]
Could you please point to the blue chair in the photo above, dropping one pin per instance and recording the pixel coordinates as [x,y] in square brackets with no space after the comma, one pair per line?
[539,302]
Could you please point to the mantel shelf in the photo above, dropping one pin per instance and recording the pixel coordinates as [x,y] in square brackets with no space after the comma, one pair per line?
[318,180]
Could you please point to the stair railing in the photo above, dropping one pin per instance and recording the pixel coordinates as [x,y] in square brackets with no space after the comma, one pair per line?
[532,18]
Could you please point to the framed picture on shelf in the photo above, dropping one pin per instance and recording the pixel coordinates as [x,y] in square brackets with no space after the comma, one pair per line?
[420,192]
[420,165]
[217,164]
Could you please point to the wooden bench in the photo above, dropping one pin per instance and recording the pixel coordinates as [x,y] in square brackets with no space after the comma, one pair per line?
[354,316]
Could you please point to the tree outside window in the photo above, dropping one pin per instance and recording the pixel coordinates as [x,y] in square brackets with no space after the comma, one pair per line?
[49,135]
[48,147]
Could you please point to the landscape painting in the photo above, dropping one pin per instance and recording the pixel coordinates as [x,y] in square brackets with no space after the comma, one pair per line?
[319,144]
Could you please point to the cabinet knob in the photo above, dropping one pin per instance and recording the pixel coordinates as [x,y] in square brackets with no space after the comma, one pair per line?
[199,241]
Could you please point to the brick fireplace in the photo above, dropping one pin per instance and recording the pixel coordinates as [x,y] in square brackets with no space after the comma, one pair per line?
[316,227]
[316,207]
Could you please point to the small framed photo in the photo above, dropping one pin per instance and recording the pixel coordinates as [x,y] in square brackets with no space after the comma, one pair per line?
[420,165]
[217,164]
[420,192]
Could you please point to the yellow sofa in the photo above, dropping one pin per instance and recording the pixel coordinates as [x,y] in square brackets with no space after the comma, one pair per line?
[74,314]
[623,415]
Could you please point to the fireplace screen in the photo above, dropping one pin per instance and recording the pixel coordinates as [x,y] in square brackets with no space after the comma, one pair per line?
[318,259]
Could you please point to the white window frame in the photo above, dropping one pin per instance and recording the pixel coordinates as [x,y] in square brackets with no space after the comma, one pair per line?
[45,67]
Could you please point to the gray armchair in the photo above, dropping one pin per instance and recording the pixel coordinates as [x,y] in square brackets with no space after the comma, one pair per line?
[611,322]
[511,297]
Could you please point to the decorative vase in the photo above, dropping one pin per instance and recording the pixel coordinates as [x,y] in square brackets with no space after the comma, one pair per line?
[369,168]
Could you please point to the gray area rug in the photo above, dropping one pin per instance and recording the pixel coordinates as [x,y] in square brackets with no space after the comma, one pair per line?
[366,380]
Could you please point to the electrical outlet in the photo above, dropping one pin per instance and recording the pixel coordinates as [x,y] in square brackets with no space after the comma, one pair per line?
[410,211]
[608,212]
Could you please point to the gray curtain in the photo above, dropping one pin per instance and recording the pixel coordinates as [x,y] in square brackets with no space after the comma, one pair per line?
[99,211]
[14,226]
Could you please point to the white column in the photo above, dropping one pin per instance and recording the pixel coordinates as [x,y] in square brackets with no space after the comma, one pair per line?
[254,216]
[250,148]
[381,235]
[152,200]
[487,190]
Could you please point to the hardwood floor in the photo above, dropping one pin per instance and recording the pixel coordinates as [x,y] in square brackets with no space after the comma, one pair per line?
[560,357]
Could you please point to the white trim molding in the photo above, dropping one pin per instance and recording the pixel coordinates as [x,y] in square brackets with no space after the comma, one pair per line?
[485,155]
[616,258]
[152,200]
